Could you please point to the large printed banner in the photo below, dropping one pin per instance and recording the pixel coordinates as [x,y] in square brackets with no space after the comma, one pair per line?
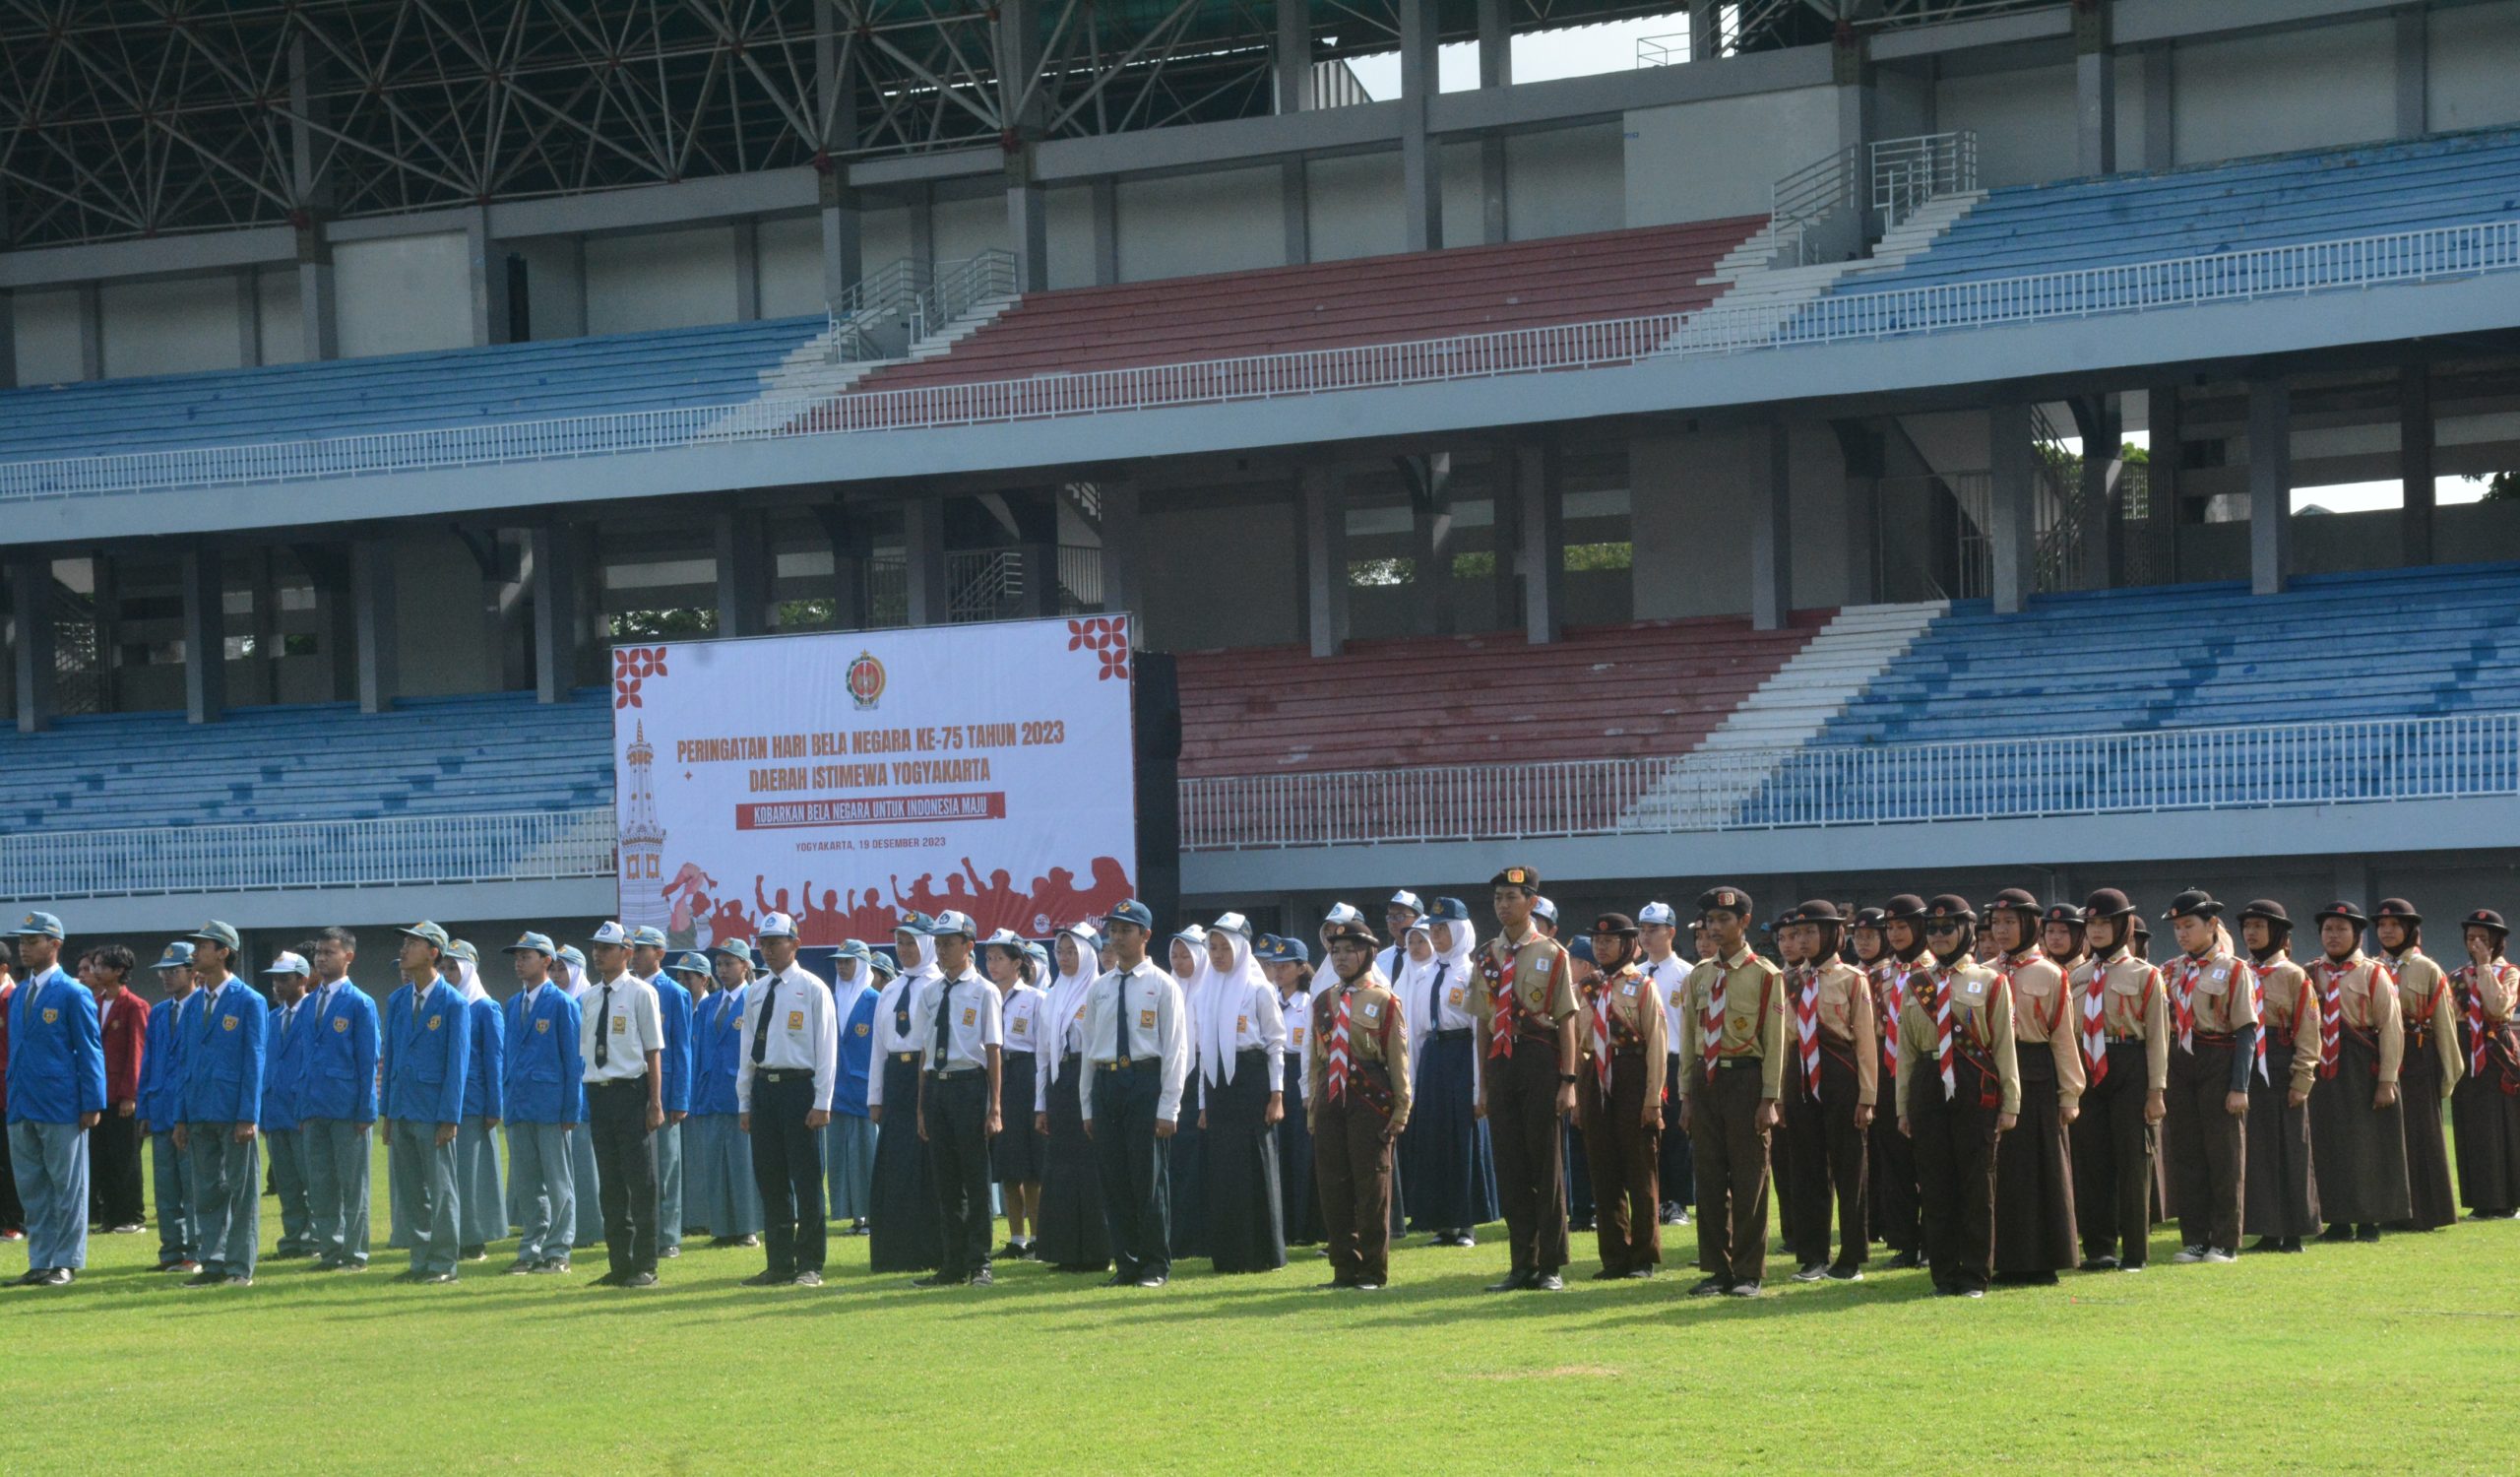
[845,777]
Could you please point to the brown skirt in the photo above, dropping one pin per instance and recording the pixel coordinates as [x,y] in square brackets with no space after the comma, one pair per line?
[2281,1190]
[2486,1111]
[2035,1177]
[2430,1205]
[2360,1149]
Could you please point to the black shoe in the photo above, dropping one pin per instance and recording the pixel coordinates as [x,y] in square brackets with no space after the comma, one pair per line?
[1811,1271]
[1608,1275]
[1120,1279]
[1545,1282]
[1150,1282]
[1710,1287]
[436,1279]
[2102,1263]
[1337,1284]
[1907,1262]
[607,1280]
[1839,1272]
[1585,1224]
[204,1278]
[2289,1243]
[520,1268]
[1746,1289]
[550,1265]
[639,1279]
[937,1279]
[477,1254]
[1968,1292]
[857,1227]
[2366,1233]
[743,1241]
[767,1278]
[2265,1244]
[1640,1273]
[808,1279]
[669,1253]
[1366,1286]
[983,1279]
[1515,1281]
[1946,1290]
[2338,1231]
[28,1278]
[59,1276]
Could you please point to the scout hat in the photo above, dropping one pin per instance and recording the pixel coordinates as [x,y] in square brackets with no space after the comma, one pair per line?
[2108,902]
[1614,925]
[915,923]
[45,926]
[178,955]
[1869,918]
[2398,908]
[1730,899]
[288,964]
[776,925]
[2488,920]
[2270,911]
[2016,900]
[2196,902]
[1904,907]
[1950,905]
[462,948]
[1516,877]
[532,943]
[424,930]
[1354,932]
[213,930]
[2064,913]
[1582,949]
[2344,911]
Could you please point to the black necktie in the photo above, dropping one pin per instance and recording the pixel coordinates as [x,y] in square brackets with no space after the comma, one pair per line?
[761,1026]
[1435,996]
[604,1027]
[1120,1017]
[944,1000]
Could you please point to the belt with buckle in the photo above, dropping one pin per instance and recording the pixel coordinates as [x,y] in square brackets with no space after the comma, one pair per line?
[1133,1061]
[1463,1033]
[904,1055]
[786,1074]
[957,1071]
[640,1080]
[1737,1063]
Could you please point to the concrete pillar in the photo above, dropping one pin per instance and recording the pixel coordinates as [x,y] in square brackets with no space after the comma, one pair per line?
[744,580]
[318,307]
[1027,227]
[2010,530]
[2414,464]
[843,236]
[92,332]
[1104,195]
[2270,485]
[1294,207]
[847,589]
[842,220]
[378,641]
[2095,90]
[923,559]
[205,635]
[311,188]
[1705,44]
[747,254]
[488,266]
[7,340]
[1496,70]
[2414,73]
[920,212]
[2161,114]
[1432,517]
[1037,544]
[555,626]
[1325,548]
[1504,469]
[2103,430]
[1294,62]
[1862,450]
[1540,543]
[1025,108]
[249,317]
[1123,554]
[2166,420]
[31,611]
[1772,536]
[1422,175]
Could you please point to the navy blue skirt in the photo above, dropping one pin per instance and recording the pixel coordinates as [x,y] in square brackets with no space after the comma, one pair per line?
[1452,1177]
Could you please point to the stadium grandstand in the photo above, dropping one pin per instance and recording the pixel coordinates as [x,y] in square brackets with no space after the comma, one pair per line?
[1831,443]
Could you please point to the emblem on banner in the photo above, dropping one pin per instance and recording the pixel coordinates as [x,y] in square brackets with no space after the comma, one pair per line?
[866,681]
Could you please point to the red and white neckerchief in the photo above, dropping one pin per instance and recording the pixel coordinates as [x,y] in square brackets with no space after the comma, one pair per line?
[2476,1013]
[2096,1023]
[2183,1000]
[1943,1049]
[1885,1003]
[1338,1050]
[1602,1036]
[2257,1009]
[1806,1028]
[1501,1006]
[1709,1022]
[2331,1011]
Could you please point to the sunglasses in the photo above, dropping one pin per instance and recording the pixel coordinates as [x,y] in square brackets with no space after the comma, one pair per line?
[1943,927]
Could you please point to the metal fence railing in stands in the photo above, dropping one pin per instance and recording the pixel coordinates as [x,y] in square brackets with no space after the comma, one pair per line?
[400,851]
[2274,271]
[2352,761]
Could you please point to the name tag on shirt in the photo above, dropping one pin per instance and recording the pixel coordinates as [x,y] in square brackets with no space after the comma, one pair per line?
[1146,1020]
[1454,1000]
[1975,990]
[1019,1025]
[620,1025]
[1297,1036]
[1628,989]
[796,1020]
[971,1015]
[1372,1011]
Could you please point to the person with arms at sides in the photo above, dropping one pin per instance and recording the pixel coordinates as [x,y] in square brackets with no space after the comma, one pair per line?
[1732,1064]
[1790,959]
[1359,1055]
[1832,1083]
[901,1230]
[1888,941]
[2485,1107]
[13,1216]
[2214,1026]
[1290,965]
[1958,1093]
[1404,911]
[285,1054]
[162,1109]
[56,1084]
[571,970]
[480,1196]
[2281,1189]
[622,1041]
[337,1106]
[2432,1066]
[787,1069]
[1526,1043]
[1187,1149]
[1241,1071]
[114,1143]
[1450,1169]
[428,1051]
[1620,1103]
[849,1139]
[545,1080]
[2357,1144]
[1070,1234]
[1137,1057]
[222,1094]
[674,1008]
[961,1041]
[2035,1232]
[719,1194]
[1015,1155]
[2122,1019]
[1657,930]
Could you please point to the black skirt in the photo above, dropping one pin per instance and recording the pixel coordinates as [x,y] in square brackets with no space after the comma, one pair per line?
[1186,1159]
[2430,1205]
[2035,1177]
[2359,1150]
[2485,1110]
[1015,1154]
[901,1234]
[2281,1193]
[1245,1214]
[1299,1212]
[1452,1177]
[1070,1234]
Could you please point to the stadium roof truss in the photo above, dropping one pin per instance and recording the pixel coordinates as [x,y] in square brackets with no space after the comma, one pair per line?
[123,118]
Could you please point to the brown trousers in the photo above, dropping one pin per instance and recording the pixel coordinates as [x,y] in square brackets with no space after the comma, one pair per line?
[1732,1151]
[2209,1148]
[2114,1161]
[1625,1158]
[1827,1161]
[1351,1165]
[1528,1138]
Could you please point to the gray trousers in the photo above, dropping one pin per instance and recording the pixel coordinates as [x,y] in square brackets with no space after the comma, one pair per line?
[179,1238]
[288,1150]
[51,1163]
[587,1187]
[227,1198]
[476,1171]
[425,1196]
[668,1188]
[335,1154]
[543,1198]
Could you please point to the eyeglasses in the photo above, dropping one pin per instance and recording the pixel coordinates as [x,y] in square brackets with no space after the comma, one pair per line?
[1943,927]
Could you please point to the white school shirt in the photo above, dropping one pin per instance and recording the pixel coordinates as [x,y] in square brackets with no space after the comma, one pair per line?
[972,1023]
[889,1042]
[1297,1012]
[1242,1015]
[1670,980]
[629,1026]
[1060,1019]
[804,1031]
[1147,1002]
[1020,1011]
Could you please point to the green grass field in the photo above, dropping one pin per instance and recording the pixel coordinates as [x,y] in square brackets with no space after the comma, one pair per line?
[2394,1357]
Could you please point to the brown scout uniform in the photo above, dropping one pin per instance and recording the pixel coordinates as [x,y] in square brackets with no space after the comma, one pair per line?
[1828,1150]
[2486,1105]
[2209,1146]
[2281,1198]
[2357,1150]
[1519,1065]
[2431,1069]
[2035,1229]
[2112,1143]
[1954,1127]
[1890,1182]
[1723,1094]
[1623,1154]
[1353,1130]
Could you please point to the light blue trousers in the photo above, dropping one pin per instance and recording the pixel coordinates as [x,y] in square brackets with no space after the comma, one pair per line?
[426,1196]
[51,1163]
[336,1151]
[542,1188]
[227,1198]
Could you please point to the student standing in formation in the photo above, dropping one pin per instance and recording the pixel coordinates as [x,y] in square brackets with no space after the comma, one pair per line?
[1890,1163]
[1832,1082]
[585,1178]
[623,1047]
[13,1215]
[427,1054]
[903,1233]
[546,1078]
[1959,1092]
[962,1069]
[2281,1189]
[1789,957]
[2035,1233]
[2486,1105]
[1070,1234]
[1015,1155]
[1186,1152]
[719,1194]
[1290,965]
[285,1054]
[114,1143]
[849,1139]
[1241,1063]
[2358,1143]
[2432,1066]
[481,1197]
[2214,1020]
[1658,928]
[673,1010]
[56,1085]
[1451,1174]
[336,1109]
[1137,1057]
[222,1094]
[1528,1041]
[1619,1102]
[1733,1066]
[788,1071]
[162,1109]
[1359,1055]
[2122,1014]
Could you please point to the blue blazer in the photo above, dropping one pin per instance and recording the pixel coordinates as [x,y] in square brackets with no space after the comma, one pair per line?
[673,1010]
[485,1080]
[427,1048]
[856,1046]
[56,1052]
[284,1074]
[544,1074]
[719,1053]
[161,1070]
[338,1074]
[224,1055]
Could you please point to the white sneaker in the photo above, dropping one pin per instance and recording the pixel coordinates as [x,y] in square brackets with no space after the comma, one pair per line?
[2190,1255]
[2218,1256]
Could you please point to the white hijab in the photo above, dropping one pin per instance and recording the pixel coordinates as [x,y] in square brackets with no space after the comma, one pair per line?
[1229,989]
[1194,985]
[919,957]
[468,981]
[1420,976]
[1067,992]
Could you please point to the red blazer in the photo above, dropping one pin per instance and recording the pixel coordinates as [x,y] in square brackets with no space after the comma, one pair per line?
[8,988]
[126,1035]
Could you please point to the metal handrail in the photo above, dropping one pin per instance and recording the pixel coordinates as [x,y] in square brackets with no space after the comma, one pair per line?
[2436,252]
[1908,172]
[401,851]
[1784,787]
